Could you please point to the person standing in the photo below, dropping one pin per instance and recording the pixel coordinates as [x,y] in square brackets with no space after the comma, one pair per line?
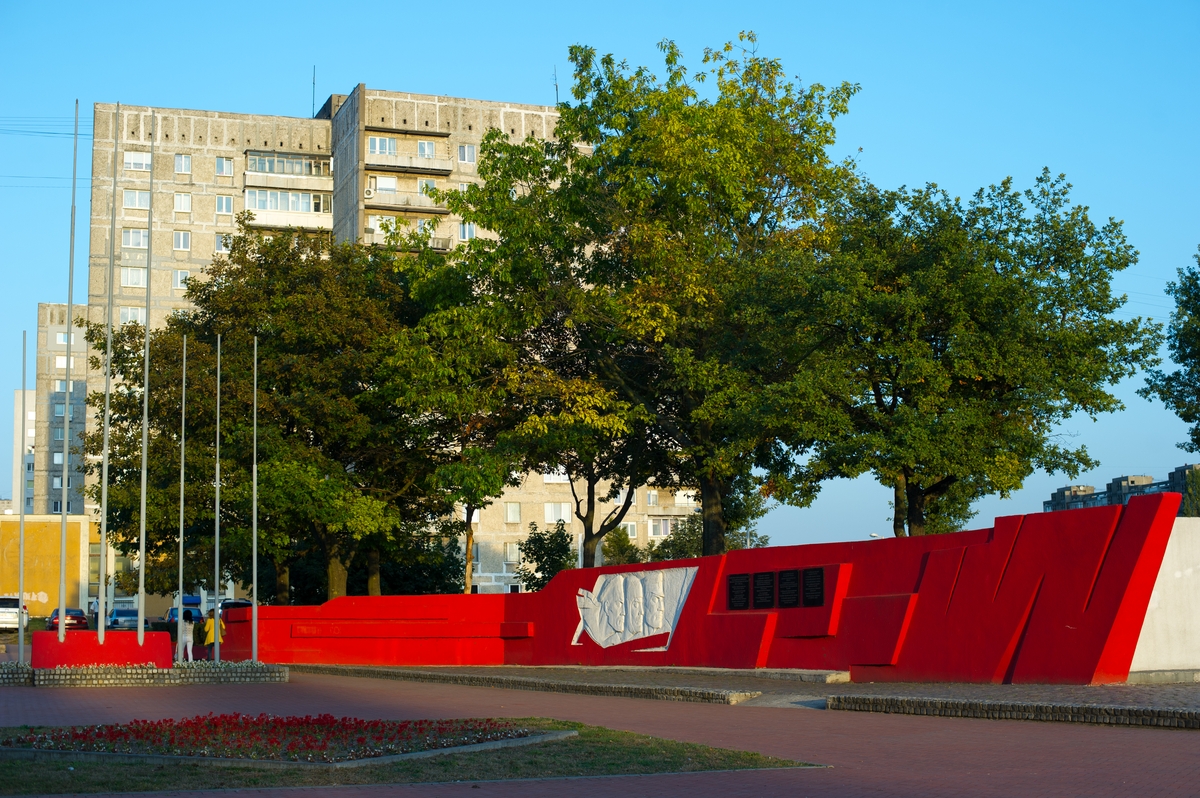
[188,634]
[94,611]
[213,627]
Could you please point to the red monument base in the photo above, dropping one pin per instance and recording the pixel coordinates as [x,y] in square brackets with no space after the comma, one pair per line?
[81,649]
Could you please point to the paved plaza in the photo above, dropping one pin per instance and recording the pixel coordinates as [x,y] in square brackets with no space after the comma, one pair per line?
[864,754]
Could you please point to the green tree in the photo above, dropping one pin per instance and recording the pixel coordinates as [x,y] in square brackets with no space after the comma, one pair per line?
[656,239]
[968,333]
[620,550]
[1179,390]
[544,553]
[687,540]
[343,463]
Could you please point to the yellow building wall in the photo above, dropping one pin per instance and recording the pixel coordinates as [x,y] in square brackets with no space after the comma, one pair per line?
[42,556]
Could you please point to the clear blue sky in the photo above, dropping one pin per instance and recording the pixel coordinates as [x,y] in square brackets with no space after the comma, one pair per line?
[961,94]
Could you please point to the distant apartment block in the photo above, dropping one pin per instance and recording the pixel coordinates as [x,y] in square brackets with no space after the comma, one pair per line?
[1119,491]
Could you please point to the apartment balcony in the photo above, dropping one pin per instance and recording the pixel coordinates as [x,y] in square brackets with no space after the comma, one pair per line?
[323,183]
[417,203]
[299,220]
[436,244]
[409,164]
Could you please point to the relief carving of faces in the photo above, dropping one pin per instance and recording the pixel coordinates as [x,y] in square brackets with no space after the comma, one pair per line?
[634,605]
[656,600]
[612,599]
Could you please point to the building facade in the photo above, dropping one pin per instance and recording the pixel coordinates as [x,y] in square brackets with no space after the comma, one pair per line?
[1118,491]
[24,430]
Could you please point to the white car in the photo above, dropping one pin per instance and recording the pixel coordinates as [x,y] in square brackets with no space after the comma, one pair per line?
[13,613]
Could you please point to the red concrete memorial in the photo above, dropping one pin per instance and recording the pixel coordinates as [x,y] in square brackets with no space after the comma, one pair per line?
[1053,597]
[83,648]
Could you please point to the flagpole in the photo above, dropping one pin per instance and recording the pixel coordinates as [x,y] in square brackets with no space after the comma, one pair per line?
[141,604]
[22,613]
[182,452]
[254,520]
[66,479]
[217,523]
[102,590]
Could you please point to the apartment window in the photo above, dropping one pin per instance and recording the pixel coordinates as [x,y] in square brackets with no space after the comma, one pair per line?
[59,433]
[425,149]
[463,187]
[180,280]
[652,498]
[59,386]
[381,145]
[619,499]
[29,467]
[556,475]
[60,410]
[514,588]
[385,185]
[135,239]
[424,183]
[630,529]
[183,203]
[271,163]
[660,527]
[466,153]
[425,225]
[58,458]
[474,558]
[264,200]
[183,240]
[137,161]
[183,164]
[222,244]
[61,339]
[56,483]
[224,205]
[512,512]
[132,277]
[60,362]
[558,511]
[56,506]
[224,167]
[512,553]
[474,516]
[466,231]
[29,501]
[137,199]
[135,314]
[685,498]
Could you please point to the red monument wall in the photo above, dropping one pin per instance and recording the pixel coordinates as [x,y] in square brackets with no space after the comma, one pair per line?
[1053,597]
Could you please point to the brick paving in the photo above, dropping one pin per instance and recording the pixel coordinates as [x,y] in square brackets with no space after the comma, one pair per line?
[868,754]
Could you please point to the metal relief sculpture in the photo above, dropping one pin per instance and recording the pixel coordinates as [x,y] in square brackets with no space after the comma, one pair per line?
[632,606]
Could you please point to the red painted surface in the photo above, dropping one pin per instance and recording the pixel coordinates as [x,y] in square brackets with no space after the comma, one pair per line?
[1054,597]
[82,648]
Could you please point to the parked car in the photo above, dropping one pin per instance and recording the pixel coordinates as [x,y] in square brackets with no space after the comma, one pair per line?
[124,619]
[13,614]
[235,604]
[76,620]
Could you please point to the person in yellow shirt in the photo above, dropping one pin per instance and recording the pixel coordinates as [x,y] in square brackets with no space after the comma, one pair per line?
[209,626]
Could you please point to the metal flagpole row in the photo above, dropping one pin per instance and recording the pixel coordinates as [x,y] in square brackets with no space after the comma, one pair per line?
[182,452]
[66,478]
[102,590]
[254,520]
[141,603]
[22,614]
[217,523]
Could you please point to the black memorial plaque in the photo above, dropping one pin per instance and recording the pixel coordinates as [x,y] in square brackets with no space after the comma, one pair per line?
[789,589]
[764,590]
[738,597]
[813,581]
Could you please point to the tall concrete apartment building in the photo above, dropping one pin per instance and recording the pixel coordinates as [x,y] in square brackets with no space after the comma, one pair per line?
[361,165]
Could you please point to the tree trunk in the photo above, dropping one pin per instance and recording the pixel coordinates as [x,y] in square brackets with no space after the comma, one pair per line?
[713,515]
[470,554]
[283,584]
[588,517]
[373,586]
[899,507]
[914,496]
[590,544]
[336,571]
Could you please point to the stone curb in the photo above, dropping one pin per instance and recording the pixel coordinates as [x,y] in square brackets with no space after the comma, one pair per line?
[697,694]
[778,674]
[144,676]
[1013,710]
[37,754]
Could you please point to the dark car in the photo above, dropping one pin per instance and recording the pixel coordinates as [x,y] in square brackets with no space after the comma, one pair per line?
[124,619]
[76,620]
[235,604]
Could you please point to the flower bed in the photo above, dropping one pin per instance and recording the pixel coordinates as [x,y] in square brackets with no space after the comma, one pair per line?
[320,738]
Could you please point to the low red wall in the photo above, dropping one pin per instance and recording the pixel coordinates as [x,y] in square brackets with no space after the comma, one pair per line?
[1053,597]
[83,648]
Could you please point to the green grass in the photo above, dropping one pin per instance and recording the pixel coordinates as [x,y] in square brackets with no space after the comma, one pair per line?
[597,751]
